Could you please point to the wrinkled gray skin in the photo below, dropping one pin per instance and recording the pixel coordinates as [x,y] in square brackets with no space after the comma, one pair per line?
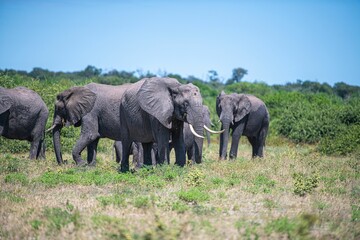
[155,108]
[190,139]
[94,107]
[244,115]
[23,116]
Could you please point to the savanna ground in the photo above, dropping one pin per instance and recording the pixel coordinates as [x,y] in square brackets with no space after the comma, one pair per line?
[292,193]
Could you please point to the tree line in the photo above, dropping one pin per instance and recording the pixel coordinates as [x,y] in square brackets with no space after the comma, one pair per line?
[115,77]
[302,112]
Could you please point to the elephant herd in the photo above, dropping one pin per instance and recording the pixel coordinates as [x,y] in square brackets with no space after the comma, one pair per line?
[147,118]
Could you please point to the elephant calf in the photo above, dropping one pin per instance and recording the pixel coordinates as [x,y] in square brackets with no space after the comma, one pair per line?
[23,116]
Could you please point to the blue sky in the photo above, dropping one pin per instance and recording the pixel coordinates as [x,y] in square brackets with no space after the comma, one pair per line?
[276,41]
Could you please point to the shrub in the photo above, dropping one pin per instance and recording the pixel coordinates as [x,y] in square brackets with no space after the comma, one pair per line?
[195,178]
[193,195]
[347,140]
[305,184]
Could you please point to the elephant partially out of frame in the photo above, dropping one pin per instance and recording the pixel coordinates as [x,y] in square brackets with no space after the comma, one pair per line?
[154,109]
[23,116]
[95,107]
[245,115]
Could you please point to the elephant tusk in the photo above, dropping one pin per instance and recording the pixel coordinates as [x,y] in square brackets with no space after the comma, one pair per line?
[212,131]
[52,127]
[193,131]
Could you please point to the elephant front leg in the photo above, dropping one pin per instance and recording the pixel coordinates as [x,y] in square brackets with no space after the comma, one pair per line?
[237,132]
[179,145]
[80,145]
[124,165]
[91,152]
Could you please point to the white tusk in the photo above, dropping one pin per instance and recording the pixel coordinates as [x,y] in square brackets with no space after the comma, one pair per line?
[52,127]
[193,131]
[212,131]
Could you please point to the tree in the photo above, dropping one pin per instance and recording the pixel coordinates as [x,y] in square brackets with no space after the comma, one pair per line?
[237,75]
[213,76]
[91,71]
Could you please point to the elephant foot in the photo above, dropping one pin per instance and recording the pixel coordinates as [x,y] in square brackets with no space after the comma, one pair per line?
[81,163]
[123,169]
[92,164]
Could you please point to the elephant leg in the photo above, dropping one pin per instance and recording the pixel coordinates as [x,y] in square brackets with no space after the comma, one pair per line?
[126,148]
[190,152]
[254,144]
[34,148]
[80,145]
[118,151]
[91,152]
[261,141]
[138,158]
[237,132]
[147,153]
[179,145]
[41,150]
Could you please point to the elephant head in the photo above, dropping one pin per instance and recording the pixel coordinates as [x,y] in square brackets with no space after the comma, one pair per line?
[231,109]
[71,105]
[168,100]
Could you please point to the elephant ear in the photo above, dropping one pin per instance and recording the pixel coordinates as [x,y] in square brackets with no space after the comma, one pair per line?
[243,107]
[5,102]
[78,102]
[155,98]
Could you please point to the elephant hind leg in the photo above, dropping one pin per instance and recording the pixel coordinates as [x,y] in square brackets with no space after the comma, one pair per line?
[261,140]
[34,148]
[41,150]
[254,144]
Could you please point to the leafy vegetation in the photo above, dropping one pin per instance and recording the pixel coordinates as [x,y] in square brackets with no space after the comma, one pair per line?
[304,111]
[294,192]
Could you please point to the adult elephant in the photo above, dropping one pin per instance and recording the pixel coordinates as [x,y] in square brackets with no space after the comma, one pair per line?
[245,115]
[154,109]
[191,147]
[94,107]
[23,116]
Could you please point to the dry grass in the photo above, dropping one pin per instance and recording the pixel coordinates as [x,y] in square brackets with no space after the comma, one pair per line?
[244,199]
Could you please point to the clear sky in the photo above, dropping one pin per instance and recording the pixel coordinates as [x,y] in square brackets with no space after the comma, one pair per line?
[276,41]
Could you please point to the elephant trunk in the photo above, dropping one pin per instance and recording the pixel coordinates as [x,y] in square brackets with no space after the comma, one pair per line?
[224,139]
[196,124]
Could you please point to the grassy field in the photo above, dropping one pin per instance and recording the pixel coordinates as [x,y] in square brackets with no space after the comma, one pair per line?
[293,193]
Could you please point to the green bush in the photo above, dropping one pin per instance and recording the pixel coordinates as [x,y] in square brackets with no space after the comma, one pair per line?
[194,195]
[346,140]
[305,184]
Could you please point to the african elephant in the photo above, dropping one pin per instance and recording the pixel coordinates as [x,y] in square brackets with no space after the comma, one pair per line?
[154,109]
[245,115]
[189,138]
[94,107]
[23,116]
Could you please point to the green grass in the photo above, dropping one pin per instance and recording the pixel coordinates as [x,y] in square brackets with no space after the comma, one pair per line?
[245,199]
